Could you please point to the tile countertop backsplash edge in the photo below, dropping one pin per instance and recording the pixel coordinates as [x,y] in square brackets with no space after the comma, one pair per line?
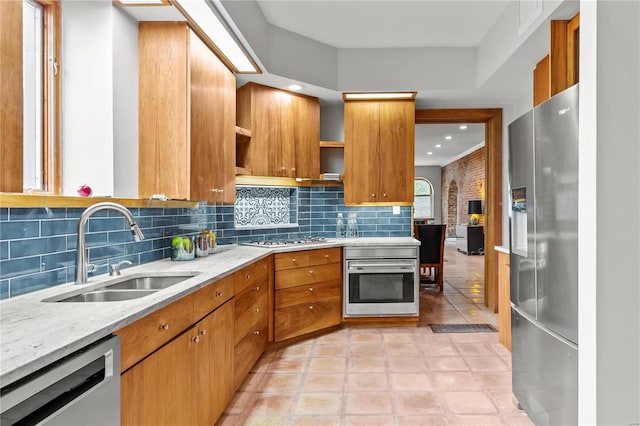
[35,333]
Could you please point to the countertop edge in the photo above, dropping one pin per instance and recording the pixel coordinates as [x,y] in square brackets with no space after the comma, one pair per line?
[501,249]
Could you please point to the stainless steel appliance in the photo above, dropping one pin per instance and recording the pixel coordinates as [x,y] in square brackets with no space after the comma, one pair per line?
[380,281]
[284,242]
[543,175]
[81,389]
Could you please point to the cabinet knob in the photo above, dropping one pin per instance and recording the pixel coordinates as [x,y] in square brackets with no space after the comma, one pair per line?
[257,310]
[257,332]
[248,276]
[164,326]
[311,272]
[311,307]
[293,260]
[203,332]
[256,288]
[195,339]
[264,266]
[373,195]
[311,289]
[219,294]
[384,194]
[326,256]
[293,169]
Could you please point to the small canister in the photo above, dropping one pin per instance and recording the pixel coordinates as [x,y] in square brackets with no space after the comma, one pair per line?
[202,245]
[182,248]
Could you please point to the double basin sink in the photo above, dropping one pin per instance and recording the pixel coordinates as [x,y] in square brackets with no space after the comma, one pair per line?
[124,288]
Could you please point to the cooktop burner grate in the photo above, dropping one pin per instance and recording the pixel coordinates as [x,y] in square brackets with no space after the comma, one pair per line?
[285,242]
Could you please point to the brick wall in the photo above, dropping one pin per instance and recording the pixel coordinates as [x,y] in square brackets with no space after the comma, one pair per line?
[465,175]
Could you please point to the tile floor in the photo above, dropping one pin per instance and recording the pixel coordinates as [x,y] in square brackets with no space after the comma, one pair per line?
[391,375]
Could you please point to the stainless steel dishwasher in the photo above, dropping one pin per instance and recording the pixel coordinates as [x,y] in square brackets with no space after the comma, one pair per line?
[80,389]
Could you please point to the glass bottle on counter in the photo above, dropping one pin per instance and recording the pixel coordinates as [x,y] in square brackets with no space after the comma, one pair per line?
[352,225]
[340,229]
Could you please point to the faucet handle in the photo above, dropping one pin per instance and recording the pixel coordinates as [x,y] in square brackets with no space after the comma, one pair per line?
[114,268]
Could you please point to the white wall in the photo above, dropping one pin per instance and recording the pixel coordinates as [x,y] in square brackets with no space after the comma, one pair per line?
[609,195]
[434,175]
[87,96]
[125,105]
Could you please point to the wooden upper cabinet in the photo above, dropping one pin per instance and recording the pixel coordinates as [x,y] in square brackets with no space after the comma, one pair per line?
[379,151]
[285,131]
[186,117]
[559,69]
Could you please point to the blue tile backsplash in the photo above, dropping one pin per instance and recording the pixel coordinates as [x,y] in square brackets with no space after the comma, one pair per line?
[37,245]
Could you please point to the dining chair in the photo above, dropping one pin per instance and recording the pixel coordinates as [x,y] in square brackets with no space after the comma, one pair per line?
[432,251]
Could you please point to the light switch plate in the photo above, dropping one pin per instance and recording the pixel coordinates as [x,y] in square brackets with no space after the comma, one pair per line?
[396,209]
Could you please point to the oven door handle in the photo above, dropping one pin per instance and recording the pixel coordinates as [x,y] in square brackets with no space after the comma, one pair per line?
[360,266]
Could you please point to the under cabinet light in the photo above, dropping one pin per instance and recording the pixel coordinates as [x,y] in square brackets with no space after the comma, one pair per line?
[362,96]
[206,21]
[143,2]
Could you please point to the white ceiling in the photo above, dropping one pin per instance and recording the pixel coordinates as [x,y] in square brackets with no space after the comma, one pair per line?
[385,24]
[462,142]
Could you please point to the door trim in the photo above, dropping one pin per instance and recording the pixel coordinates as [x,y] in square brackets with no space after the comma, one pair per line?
[492,119]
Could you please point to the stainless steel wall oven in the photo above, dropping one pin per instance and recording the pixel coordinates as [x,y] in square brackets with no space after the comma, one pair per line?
[381,281]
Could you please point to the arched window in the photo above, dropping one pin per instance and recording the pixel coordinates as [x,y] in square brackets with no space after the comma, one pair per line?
[423,198]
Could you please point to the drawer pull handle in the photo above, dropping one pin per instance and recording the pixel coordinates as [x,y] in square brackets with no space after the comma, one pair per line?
[195,339]
[311,307]
[203,332]
[257,288]
[257,332]
[219,294]
[311,289]
[164,326]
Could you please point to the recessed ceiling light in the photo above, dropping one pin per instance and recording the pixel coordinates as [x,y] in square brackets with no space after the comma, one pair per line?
[463,127]
[295,87]
[438,146]
[448,137]
[429,153]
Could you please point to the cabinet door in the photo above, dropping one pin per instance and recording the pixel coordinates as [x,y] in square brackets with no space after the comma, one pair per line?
[161,389]
[397,146]
[163,151]
[214,362]
[265,131]
[361,151]
[212,126]
[306,121]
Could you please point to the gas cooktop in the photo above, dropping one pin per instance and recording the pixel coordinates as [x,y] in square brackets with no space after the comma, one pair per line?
[289,242]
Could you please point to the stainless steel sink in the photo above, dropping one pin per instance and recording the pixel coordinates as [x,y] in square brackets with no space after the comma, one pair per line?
[108,295]
[126,287]
[148,283]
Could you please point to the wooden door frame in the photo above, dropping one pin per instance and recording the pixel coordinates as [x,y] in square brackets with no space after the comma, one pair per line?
[492,119]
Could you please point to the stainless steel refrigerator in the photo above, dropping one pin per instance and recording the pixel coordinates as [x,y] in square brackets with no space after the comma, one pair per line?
[543,177]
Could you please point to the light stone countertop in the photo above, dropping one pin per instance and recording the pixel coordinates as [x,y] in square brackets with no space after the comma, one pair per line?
[502,249]
[34,333]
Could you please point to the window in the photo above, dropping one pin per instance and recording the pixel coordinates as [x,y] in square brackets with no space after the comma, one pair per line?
[423,198]
[41,88]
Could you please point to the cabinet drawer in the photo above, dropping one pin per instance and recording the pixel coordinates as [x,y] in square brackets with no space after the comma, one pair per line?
[307,257]
[308,293]
[144,336]
[248,297]
[255,315]
[248,351]
[308,275]
[257,272]
[210,297]
[304,318]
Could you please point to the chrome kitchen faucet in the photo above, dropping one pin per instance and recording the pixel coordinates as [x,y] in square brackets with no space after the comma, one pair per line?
[82,252]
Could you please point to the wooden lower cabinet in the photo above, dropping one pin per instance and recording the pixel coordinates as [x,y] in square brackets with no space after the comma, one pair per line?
[504,299]
[252,307]
[188,381]
[308,297]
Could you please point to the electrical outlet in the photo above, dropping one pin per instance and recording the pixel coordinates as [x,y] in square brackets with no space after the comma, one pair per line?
[396,209]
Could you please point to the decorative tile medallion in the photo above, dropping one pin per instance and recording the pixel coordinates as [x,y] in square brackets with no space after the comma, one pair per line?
[259,207]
